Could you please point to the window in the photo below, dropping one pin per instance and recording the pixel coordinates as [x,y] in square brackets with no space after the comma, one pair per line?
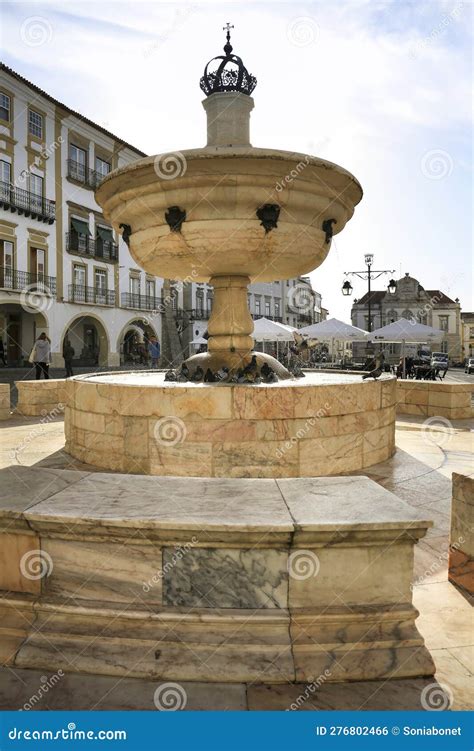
[150,288]
[79,282]
[77,163]
[36,190]
[444,323]
[267,307]
[79,235]
[4,107]
[134,285]
[38,263]
[199,301]
[6,264]
[102,167]
[100,285]
[471,332]
[444,347]
[277,308]
[209,302]
[35,124]
[5,171]
[104,241]
[258,306]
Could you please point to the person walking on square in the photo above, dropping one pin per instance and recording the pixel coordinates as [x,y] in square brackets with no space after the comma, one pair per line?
[41,356]
[154,351]
[68,354]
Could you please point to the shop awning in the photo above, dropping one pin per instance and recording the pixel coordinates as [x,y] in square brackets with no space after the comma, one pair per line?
[105,234]
[80,226]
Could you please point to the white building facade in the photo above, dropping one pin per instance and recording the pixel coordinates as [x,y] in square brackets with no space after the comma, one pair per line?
[63,269]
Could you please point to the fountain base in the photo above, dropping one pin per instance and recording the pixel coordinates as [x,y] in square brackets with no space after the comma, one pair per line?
[235,362]
[323,424]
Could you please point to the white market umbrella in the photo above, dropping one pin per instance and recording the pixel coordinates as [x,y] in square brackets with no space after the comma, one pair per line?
[265,330]
[333,330]
[199,341]
[405,331]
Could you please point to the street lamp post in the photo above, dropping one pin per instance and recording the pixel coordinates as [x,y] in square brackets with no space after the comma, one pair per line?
[368,276]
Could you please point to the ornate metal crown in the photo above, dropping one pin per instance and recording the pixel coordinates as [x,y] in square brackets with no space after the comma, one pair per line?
[228,73]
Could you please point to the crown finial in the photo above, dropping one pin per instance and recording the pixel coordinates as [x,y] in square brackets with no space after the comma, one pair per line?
[229,74]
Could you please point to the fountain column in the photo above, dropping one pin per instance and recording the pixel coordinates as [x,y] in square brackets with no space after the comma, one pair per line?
[230,325]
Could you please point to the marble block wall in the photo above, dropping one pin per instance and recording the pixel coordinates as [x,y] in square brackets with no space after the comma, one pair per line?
[42,398]
[432,399]
[236,580]
[277,430]
[5,411]
[461,540]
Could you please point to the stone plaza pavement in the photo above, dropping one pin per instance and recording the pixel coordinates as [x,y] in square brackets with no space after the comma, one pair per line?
[419,473]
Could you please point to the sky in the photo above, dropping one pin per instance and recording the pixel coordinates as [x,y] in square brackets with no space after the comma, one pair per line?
[381,88]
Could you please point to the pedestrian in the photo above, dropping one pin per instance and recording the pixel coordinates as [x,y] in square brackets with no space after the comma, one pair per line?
[2,353]
[154,351]
[68,354]
[41,356]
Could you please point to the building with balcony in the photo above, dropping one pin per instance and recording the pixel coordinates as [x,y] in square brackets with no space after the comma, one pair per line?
[65,270]
[412,301]
[467,328]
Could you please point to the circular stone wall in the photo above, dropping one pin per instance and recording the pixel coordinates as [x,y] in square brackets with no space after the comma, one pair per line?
[324,424]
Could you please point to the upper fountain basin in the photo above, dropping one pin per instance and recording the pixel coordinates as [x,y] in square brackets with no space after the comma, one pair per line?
[220,189]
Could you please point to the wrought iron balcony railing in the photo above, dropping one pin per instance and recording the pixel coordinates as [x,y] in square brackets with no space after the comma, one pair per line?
[141,302]
[196,314]
[83,245]
[29,204]
[80,294]
[25,281]
[78,172]
[277,319]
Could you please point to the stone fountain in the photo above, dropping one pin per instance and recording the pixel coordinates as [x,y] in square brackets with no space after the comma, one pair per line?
[233,576]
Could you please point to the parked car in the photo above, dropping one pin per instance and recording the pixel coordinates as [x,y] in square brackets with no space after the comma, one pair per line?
[439,360]
[469,366]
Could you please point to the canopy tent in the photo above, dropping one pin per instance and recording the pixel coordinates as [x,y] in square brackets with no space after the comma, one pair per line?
[265,330]
[405,331]
[333,330]
[199,341]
